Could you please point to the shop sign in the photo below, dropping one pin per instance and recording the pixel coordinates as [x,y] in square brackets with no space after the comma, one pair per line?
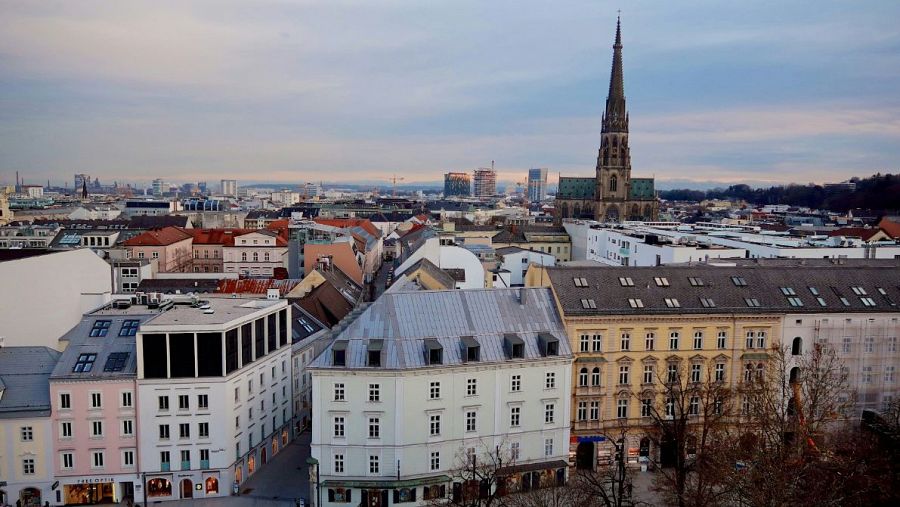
[594,438]
[94,480]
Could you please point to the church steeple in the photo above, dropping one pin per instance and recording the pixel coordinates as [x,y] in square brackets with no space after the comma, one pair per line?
[615,119]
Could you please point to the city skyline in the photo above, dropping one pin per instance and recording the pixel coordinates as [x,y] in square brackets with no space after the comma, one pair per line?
[718,93]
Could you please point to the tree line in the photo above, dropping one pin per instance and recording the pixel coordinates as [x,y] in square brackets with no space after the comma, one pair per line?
[877,192]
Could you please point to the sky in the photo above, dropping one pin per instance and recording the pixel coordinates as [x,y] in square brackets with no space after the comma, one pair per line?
[344,90]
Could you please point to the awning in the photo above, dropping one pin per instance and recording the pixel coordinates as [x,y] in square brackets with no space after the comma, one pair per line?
[408,483]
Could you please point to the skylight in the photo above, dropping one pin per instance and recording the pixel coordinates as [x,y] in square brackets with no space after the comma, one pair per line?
[695,281]
[85,363]
[661,281]
[821,301]
[867,301]
[814,291]
[588,304]
[859,291]
[739,281]
[788,291]
[101,328]
[752,302]
[129,328]
[580,282]
[635,303]
[707,303]
[116,361]
[626,281]
[795,301]
[672,303]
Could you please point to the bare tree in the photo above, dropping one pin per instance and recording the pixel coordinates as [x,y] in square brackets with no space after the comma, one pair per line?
[477,476]
[690,416]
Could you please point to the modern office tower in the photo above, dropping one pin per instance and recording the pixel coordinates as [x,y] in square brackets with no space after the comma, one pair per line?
[537,184]
[229,187]
[457,184]
[485,182]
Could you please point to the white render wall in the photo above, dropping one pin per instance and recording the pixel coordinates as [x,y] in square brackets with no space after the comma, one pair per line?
[405,410]
[846,334]
[517,264]
[45,296]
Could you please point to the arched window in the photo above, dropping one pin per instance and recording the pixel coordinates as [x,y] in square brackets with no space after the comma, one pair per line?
[613,183]
[244,256]
[795,375]
[797,346]
[595,376]
[255,256]
[267,256]
[759,371]
[748,373]
[583,377]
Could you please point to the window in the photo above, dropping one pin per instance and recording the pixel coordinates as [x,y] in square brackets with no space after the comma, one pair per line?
[707,303]
[163,402]
[581,413]
[514,451]
[720,339]
[622,408]
[96,428]
[338,463]
[698,340]
[85,363]
[514,416]
[650,341]
[595,376]
[339,392]
[648,373]
[548,447]
[670,407]
[28,466]
[635,303]
[471,387]
[163,431]
[374,427]
[434,426]
[68,460]
[202,401]
[694,406]
[646,407]
[588,304]
[584,343]
[515,383]
[164,460]
[471,420]
[859,291]
[549,413]
[695,372]
[867,301]
[129,328]
[866,374]
[434,390]
[65,429]
[126,399]
[720,372]
[101,328]
[626,281]
[672,373]
[184,430]
[374,392]
[97,459]
[203,429]
[579,282]
[623,374]
[583,377]
[597,341]
[435,461]
[795,301]
[625,341]
[750,336]
[27,433]
[892,344]
[96,400]
[128,427]
[788,291]
[752,302]
[889,374]
[695,281]
[550,380]
[673,340]
[185,460]
[183,403]
[672,303]
[339,427]
[739,281]
[65,401]
[869,344]
[595,410]
[760,339]
[846,346]
[661,281]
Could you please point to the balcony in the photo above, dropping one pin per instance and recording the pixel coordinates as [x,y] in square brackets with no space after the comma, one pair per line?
[164,467]
[204,464]
[587,425]
[590,390]
[185,465]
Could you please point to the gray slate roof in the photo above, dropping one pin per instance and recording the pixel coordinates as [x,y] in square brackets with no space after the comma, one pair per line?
[404,320]
[80,342]
[24,381]
[764,283]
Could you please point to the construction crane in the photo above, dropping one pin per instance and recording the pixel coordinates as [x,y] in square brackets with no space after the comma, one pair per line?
[394,179]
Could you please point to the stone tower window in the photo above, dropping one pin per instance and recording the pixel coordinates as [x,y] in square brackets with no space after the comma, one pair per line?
[613,183]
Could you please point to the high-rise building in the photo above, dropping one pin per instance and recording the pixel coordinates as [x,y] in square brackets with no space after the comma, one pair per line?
[612,195]
[308,190]
[201,187]
[485,182]
[537,184]
[457,184]
[159,186]
[229,187]
[81,180]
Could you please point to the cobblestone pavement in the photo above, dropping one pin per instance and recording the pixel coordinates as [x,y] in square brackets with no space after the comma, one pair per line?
[285,476]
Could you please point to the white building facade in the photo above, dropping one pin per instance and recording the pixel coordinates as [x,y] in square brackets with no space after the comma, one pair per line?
[399,410]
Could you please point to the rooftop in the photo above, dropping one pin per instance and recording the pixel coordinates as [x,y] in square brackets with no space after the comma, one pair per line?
[24,381]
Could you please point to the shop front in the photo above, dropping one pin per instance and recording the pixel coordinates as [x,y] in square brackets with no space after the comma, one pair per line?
[159,487]
[94,490]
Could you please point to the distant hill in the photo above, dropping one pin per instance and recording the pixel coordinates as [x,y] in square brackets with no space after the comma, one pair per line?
[878,192]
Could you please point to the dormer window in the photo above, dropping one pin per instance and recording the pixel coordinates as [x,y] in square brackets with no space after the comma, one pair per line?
[373,352]
[514,346]
[470,348]
[549,344]
[339,353]
[434,352]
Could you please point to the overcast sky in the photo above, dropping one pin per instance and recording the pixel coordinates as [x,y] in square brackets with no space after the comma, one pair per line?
[357,90]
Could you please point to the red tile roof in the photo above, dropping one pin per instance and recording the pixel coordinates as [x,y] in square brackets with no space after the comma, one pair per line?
[861,232]
[159,237]
[256,286]
[223,237]
[890,228]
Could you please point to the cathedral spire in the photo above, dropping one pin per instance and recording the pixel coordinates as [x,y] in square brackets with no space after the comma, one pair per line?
[615,119]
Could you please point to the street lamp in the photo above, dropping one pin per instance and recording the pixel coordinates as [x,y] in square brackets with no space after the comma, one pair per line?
[310,462]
